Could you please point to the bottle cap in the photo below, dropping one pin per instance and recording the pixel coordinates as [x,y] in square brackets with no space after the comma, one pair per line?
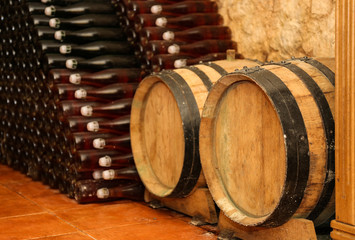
[59,35]
[161,22]
[156,9]
[80,93]
[97,174]
[49,11]
[180,63]
[105,161]
[75,78]
[108,174]
[173,49]
[99,143]
[54,22]
[65,49]
[71,63]
[86,111]
[93,126]
[103,193]
[168,35]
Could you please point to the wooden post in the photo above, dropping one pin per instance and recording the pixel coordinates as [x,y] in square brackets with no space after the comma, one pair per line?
[344,223]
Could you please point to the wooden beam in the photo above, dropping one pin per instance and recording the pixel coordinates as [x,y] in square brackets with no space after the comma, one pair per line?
[344,224]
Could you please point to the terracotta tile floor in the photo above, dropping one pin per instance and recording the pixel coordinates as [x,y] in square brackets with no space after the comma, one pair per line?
[31,210]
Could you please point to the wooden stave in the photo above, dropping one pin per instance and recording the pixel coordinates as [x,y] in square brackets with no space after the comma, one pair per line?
[325,194]
[171,77]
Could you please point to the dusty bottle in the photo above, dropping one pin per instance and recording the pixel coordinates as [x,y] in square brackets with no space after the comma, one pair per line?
[62,75]
[103,62]
[79,123]
[90,35]
[205,58]
[185,7]
[167,61]
[85,21]
[159,47]
[108,93]
[190,20]
[84,140]
[56,61]
[146,20]
[99,190]
[202,47]
[95,174]
[73,107]
[110,110]
[138,7]
[199,33]
[121,143]
[79,8]
[66,91]
[118,125]
[129,173]
[95,159]
[155,33]
[94,49]
[108,76]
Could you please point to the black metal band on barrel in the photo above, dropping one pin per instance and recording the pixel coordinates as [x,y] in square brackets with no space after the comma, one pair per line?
[322,68]
[328,124]
[296,144]
[216,67]
[204,78]
[191,122]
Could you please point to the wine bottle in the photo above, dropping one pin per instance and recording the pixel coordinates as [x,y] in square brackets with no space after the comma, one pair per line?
[202,47]
[108,93]
[168,61]
[199,33]
[185,7]
[155,33]
[190,20]
[62,75]
[103,62]
[110,110]
[138,7]
[129,173]
[76,174]
[64,2]
[146,20]
[95,159]
[121,143]
[160,47]
[36,8]
[84,140]
[43,33]
[40,20]
[85,21]
[66,91]
[97,48]
[90,35]
[205,58]
[73,107]
[108,76]
[49,46]
[55,61]
[118,125]
[79,8]
[79,123]
[102,190]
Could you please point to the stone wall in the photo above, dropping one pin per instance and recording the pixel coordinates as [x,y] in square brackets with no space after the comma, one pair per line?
[279,29]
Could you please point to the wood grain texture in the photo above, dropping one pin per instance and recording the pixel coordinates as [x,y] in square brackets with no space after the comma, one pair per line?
[160,123]
[243,144]
[345,121]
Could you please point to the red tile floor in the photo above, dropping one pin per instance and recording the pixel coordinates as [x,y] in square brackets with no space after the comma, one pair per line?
[31,210]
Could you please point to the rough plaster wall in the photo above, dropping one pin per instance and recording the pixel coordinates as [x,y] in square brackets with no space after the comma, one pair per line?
[279,29]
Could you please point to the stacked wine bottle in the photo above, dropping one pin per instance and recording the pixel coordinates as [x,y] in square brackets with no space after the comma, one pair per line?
[68,75]
[172,34]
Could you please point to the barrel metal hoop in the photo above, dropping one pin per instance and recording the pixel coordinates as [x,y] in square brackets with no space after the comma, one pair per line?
[216,67]
[329,74]
[204,78]
[328,123]
[296,143]
[190,116]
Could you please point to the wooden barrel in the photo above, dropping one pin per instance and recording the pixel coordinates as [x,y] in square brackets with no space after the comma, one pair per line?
[267,142]
[165,120]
